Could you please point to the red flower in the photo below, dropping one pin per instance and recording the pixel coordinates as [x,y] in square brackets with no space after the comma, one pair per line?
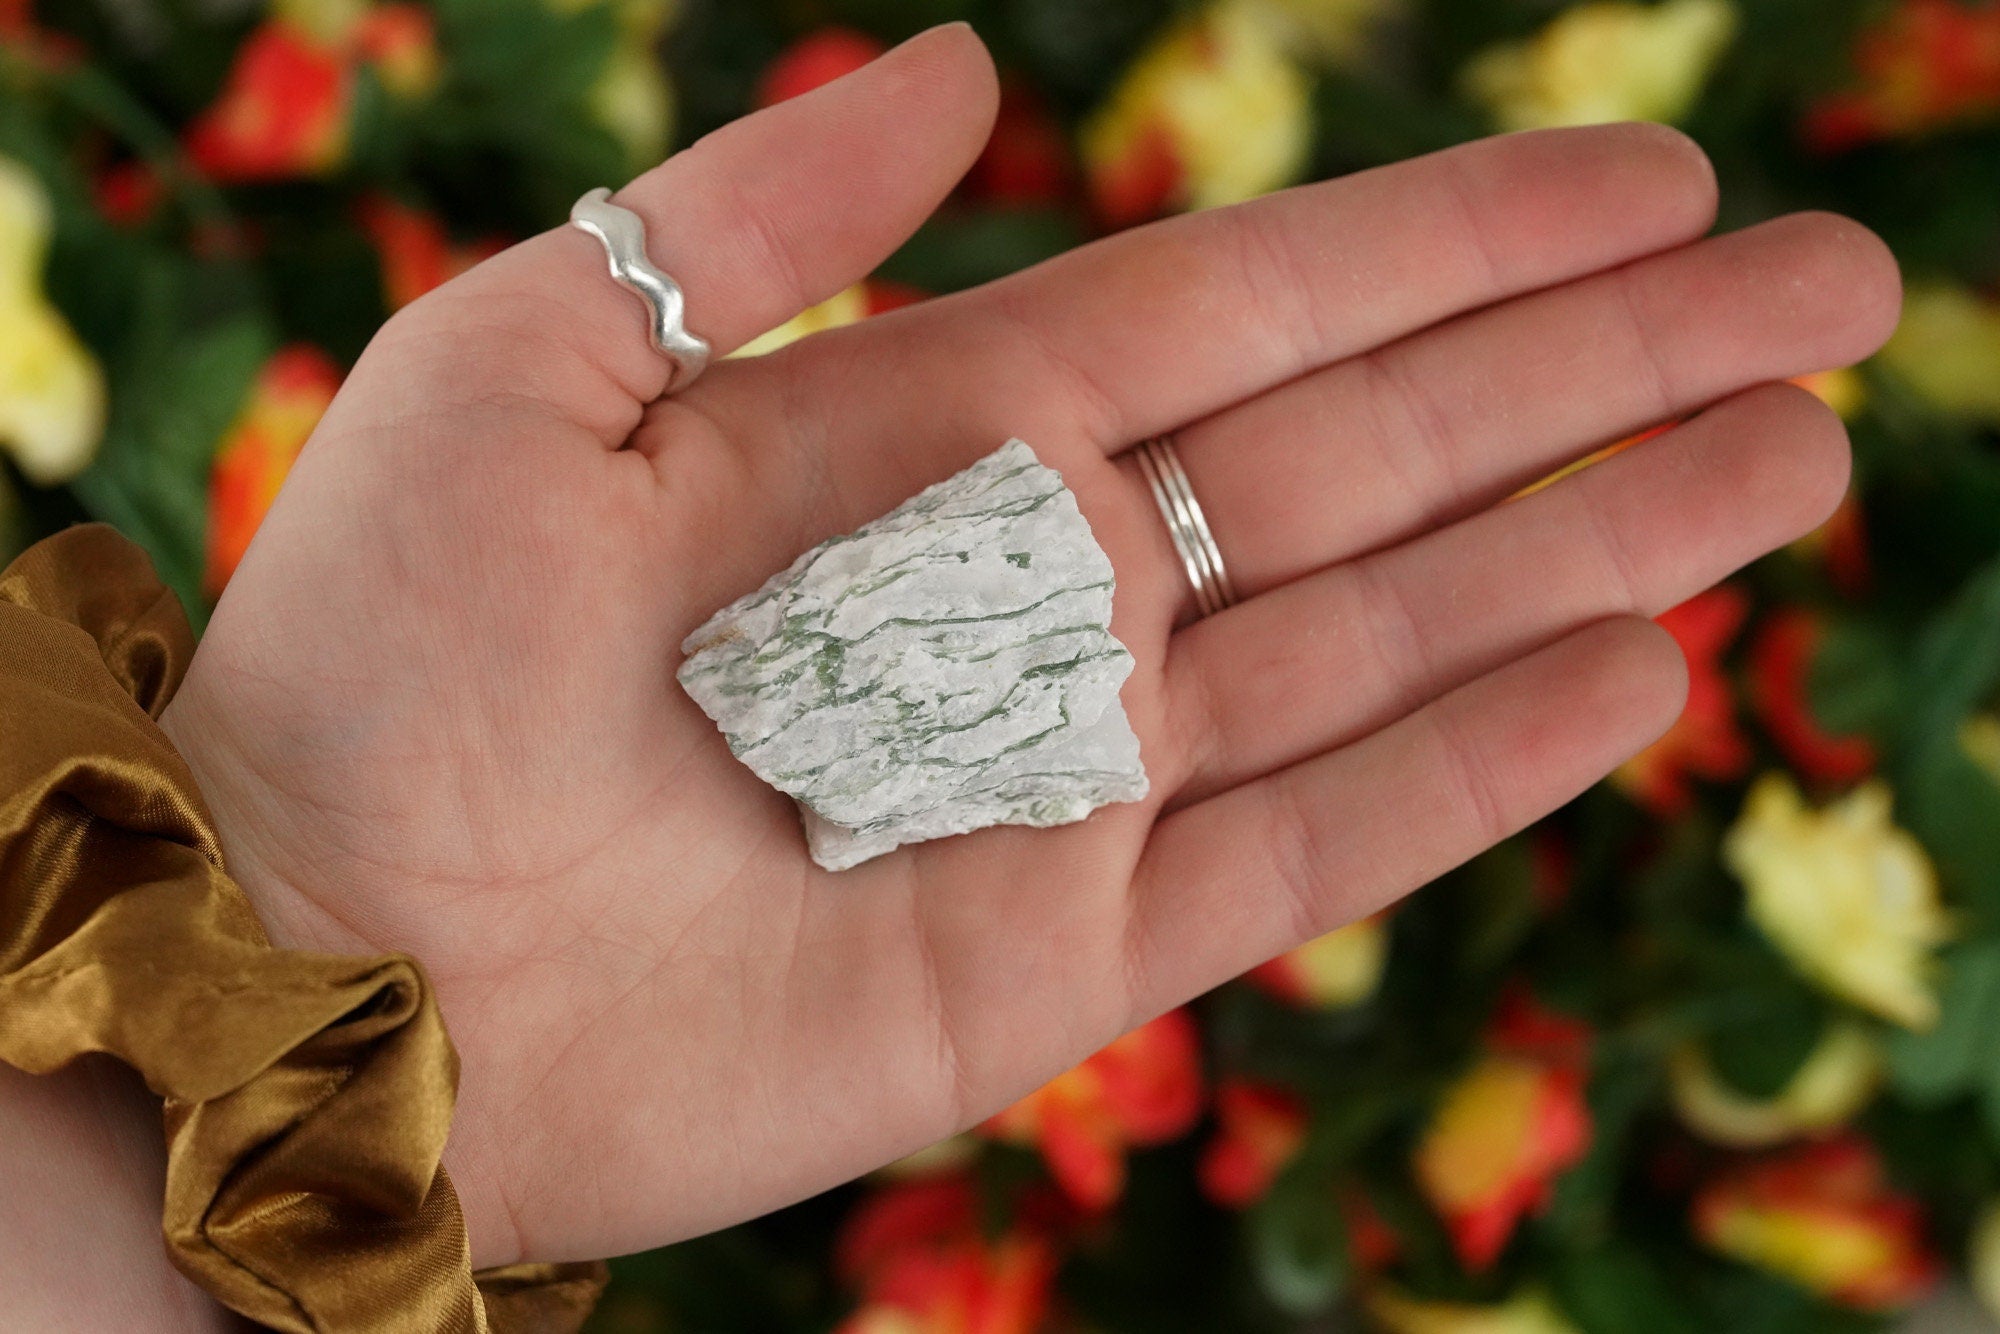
[415,252]
[33,43]
[1551,868]
[1259,1130]
[1824,1216]
[400,43]
[1706,741]
[1595,457]
[1522,1026]
[1142,181]
[1506,1129]
[128,193]
[1934,62]
[290,394]
[1213,112]
[1371,1243]
[881,295]
[1780,670]
[1143,1089]
[282,112]
[918,1258]
[1841,547]
[815,59]
[1027,161]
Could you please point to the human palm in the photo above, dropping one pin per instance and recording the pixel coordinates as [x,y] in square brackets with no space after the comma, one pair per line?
[436,710]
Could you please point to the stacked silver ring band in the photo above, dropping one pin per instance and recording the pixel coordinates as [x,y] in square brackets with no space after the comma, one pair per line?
[623,234]
[1187,526]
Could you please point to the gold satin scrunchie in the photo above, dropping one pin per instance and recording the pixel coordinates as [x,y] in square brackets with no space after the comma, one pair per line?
[307,1095]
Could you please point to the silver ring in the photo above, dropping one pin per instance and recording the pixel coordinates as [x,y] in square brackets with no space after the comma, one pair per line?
[1187,526]
[623,234]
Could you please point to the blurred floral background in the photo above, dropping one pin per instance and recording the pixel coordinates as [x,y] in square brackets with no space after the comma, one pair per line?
[1717,1047]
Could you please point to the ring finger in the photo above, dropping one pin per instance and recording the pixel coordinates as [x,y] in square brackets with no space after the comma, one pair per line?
[1327,659]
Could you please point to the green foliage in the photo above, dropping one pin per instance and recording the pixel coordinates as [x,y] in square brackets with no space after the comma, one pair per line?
[1299,1245]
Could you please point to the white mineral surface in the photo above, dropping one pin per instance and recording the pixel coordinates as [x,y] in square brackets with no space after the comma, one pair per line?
[947,667]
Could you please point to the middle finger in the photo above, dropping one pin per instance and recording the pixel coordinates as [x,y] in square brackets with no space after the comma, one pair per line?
[1384,447]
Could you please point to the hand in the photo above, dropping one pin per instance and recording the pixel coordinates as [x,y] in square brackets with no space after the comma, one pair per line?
[436,710]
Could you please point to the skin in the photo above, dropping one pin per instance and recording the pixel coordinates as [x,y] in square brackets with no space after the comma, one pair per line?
[435,712]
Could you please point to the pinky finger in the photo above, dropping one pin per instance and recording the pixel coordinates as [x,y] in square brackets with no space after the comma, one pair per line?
[1261,868]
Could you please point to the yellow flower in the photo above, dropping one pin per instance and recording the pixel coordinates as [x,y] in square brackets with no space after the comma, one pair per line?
[1983,1259]
[1824,1215]
[1605,61]
[1334,31]
[1948,347]
[634,100]
[1331,972]
[51,390]
[1836,1081]
[1980,739]
[1842,390]
[1850,898]
[633,97]
[1214,113]
[1496,1140]
[329,20]
[843,307]
[1526,1313]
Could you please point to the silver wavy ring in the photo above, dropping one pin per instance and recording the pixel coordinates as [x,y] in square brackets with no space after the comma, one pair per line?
[1187,526]
[623,234]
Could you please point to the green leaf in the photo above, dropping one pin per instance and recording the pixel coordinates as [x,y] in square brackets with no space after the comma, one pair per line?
[1298,1244]
[1763,1044]
[179,384]
[524,53]
[1855,683]
[1935,1067]
[1496,893]
[1744,1300]
[958,250]
[1362,120]
[1953,805]
[1580,1212]
[1072,50]
[1617,1291]
[1957,663]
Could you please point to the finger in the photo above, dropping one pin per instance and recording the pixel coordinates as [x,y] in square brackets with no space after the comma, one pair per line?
[1264,867]
[764,217]
[1144,331]
[1432,428]
[1334,656]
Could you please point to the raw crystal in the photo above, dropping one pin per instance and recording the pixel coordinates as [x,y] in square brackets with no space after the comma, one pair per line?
[947,667]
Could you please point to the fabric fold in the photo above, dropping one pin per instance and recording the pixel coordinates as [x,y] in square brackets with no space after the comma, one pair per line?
[307,1096]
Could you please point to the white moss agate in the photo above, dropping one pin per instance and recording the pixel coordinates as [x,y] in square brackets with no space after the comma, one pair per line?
[947,667]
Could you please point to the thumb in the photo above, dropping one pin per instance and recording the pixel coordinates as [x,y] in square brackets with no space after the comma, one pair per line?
[766,216]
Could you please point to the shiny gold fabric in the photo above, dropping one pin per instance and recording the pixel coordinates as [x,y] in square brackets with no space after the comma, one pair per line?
[307,1096]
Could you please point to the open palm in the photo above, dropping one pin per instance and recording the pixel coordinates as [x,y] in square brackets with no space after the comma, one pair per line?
[436,711]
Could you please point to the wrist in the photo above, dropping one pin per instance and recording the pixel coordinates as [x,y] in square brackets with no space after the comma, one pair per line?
[84,1159]
[252,825]
[251,828]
